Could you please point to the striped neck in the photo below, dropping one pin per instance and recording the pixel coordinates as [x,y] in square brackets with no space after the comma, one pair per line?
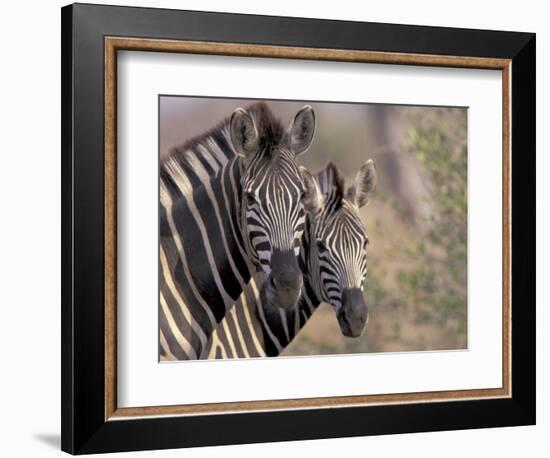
[278,326]
[204,263]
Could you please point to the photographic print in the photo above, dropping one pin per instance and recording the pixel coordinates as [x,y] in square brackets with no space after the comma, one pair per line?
[294,228]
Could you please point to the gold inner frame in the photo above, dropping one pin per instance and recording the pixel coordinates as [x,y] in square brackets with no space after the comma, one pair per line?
[114,44]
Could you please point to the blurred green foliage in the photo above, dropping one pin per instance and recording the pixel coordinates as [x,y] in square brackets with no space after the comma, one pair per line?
[436,285]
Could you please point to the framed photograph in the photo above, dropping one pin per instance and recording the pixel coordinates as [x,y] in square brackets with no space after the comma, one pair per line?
[270,222]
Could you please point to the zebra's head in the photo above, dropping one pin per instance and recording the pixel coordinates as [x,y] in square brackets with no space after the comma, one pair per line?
[272,205]
[338,245]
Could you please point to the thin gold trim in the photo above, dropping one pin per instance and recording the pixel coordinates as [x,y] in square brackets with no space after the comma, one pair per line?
[112,45]
[289,52]
[110,176]
[306,403]
[507,228]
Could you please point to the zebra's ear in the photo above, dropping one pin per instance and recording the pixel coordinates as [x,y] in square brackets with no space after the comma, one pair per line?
[364,184]
[312,199]
[244,134]
[302,129]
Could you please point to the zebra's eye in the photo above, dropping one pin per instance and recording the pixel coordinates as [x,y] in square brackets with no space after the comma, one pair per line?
[365,243]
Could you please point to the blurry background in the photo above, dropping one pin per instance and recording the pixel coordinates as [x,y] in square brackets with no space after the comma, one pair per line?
[416,284]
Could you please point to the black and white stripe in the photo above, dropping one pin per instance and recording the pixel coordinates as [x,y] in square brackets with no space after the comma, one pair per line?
[228,200]
[274,214]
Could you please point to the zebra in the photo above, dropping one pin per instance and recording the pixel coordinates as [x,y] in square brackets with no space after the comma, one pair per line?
[231,204]
[334,263]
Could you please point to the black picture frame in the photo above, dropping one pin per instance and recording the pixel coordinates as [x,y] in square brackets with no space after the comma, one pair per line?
[84,427]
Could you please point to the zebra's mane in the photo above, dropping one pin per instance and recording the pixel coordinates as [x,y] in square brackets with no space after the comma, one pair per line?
[270,130]
[190,163]
[331,183]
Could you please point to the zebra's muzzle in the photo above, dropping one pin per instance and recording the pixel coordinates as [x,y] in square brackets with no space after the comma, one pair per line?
[354,313]
[285,281]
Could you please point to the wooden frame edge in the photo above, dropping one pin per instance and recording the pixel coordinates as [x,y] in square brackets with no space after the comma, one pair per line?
[112,45]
